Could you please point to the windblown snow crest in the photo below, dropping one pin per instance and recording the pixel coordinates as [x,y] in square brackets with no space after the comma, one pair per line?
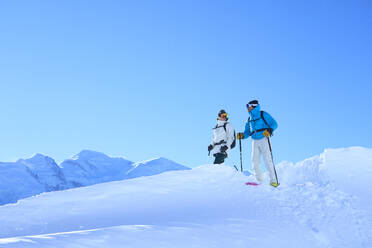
[29,177]
[336,184]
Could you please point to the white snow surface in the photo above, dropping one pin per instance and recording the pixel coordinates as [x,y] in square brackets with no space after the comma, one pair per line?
[323,201]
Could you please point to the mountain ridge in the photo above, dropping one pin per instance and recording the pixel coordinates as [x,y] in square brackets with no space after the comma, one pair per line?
[41,173]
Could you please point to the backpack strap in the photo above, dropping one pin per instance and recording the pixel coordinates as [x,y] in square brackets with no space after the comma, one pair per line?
[234,136]
[224,126]
[262,116]
[220,143]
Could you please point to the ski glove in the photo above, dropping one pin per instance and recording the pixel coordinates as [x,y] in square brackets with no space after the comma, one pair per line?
[240,136]
[223,149]
[268,132]
[210,148]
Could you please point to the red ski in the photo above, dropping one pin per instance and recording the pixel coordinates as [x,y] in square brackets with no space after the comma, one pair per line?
[251,183]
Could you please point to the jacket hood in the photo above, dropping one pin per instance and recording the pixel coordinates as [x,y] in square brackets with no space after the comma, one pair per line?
[255,113]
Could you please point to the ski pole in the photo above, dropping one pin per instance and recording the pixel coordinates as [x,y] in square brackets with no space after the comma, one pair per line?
[272,159]
[241,160]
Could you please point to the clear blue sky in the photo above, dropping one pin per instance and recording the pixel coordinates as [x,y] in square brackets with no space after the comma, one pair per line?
[146,78]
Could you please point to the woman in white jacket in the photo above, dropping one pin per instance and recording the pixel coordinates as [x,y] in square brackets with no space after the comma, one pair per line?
[223,138]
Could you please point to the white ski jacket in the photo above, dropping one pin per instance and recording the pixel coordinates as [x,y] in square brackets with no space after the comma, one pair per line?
[222,137]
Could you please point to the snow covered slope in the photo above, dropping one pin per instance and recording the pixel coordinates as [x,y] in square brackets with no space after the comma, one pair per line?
[208,206]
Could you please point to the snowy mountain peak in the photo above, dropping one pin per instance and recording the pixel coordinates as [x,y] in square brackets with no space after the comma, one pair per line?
[153,160]
[90,167]
[46,171]
[154,166]
[36,157]
[87,154]
[39,160]
[39,156]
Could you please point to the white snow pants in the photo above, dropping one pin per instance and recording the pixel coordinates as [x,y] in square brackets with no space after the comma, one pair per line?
[262,147]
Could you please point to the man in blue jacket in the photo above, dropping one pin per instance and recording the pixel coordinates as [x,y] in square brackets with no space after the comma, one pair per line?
[260,127]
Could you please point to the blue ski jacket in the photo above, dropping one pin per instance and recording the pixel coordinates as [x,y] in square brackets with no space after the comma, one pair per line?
[255,125]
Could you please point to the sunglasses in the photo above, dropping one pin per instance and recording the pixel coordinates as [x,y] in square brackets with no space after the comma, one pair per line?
[223,115]
[251,105]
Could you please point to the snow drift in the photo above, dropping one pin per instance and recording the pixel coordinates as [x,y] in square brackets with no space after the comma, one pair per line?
[208,206]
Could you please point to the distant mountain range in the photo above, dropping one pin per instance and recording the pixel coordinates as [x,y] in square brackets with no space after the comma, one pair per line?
[29,177]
